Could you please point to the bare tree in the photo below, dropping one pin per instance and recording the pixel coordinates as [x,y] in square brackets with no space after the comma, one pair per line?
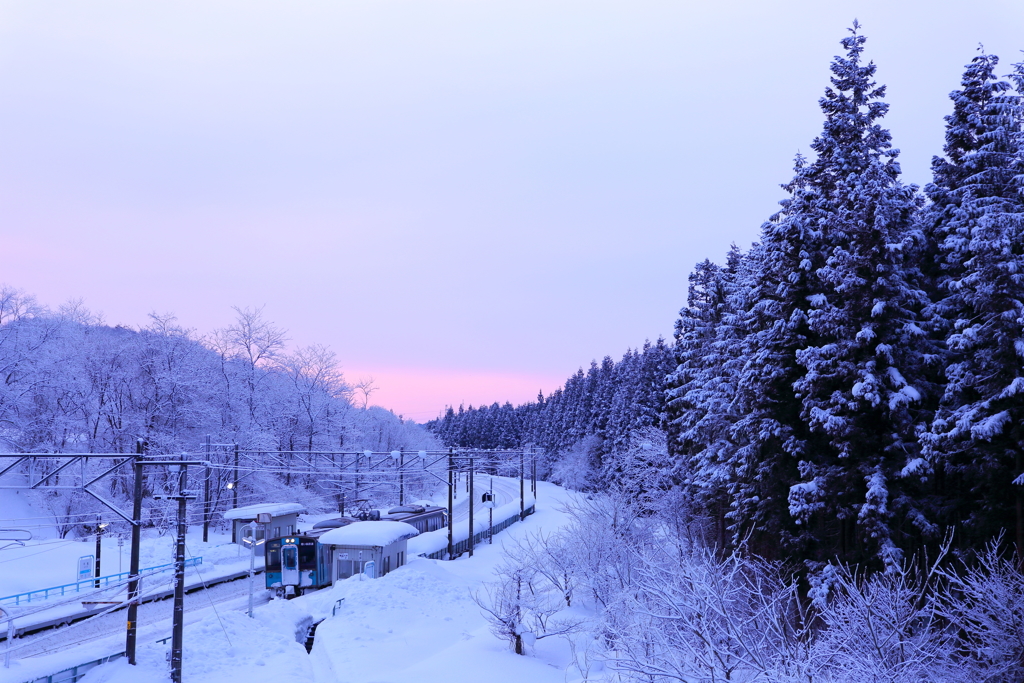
[551,556]
[366,387]
[15,304]
[255,344]
[318,387]
[983,601]
[521,610]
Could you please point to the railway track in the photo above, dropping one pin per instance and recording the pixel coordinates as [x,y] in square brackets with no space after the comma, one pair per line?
[150,616]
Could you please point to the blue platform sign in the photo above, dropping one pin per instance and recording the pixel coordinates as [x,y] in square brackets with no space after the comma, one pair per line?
[86,564]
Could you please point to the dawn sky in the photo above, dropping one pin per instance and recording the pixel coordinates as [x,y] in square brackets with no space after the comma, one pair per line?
[464,200]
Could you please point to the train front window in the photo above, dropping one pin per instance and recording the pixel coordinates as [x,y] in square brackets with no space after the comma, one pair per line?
[307,554]
[274,557]
[290,557]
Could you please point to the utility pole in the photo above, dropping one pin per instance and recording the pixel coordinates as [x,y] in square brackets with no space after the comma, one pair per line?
[133,563]
[99,546]
[10,638]
[252,527]
[252,564]
[471,494]
[490,516]
[533,468]
[234,495]
[178,620]
[206,494]
[451,503]
[401,476]
[522,496]
[179,583]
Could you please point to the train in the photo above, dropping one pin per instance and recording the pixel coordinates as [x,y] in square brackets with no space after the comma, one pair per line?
[297,563]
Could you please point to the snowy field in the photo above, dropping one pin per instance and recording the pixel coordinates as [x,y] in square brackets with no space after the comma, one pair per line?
[419,623]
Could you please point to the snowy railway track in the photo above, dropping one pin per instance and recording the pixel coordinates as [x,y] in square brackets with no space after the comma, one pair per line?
[150,616]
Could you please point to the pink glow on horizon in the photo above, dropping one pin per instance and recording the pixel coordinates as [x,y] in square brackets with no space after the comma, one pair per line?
[421,394]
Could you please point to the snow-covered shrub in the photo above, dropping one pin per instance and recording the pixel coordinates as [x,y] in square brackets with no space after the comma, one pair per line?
[884,627]
[606,535]
[984,605]
[522,606]
[693,616]
[575,468]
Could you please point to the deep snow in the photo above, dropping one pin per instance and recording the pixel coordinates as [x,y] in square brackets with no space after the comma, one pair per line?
[417,624]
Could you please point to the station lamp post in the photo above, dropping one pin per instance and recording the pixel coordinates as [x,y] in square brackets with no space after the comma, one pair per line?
[100,526]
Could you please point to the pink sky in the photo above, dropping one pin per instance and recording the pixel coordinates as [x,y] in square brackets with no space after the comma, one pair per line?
[413,392]
[465,200]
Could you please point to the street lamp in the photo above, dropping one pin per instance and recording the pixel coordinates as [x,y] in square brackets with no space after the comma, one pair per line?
[100,526]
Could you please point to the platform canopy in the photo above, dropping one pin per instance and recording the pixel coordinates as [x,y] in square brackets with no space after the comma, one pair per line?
[369,534]
[250,512]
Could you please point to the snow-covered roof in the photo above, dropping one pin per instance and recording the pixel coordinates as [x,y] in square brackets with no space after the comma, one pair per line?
[276,509]
[369,533]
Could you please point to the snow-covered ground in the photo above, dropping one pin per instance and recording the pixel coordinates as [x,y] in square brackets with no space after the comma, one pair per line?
[52,562]
[49,561]
[418,624]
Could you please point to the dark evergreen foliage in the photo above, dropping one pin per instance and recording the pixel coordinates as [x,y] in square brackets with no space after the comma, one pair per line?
[976,221]
[607,404]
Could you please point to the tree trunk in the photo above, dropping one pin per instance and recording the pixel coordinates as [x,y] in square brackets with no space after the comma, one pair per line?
[1019,501]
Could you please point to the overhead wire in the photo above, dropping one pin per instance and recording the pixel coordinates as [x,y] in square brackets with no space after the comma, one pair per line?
[343,475]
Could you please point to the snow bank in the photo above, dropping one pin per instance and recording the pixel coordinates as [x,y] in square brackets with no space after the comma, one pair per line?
[227,646]
[417,624]
[369,533]
[250,511]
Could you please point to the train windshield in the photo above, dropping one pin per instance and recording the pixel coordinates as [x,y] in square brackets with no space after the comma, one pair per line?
[307,554]
[290,557]
[274,557]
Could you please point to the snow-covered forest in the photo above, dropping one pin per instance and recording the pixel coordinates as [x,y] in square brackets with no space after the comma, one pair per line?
[72,384]
[75,385]
[849,386]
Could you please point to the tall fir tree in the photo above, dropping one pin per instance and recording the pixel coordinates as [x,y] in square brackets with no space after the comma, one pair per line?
[977,222]
[701,389]
[836,344]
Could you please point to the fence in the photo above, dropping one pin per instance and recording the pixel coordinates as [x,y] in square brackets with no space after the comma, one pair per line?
[77,586]
[75,673]
[463,545]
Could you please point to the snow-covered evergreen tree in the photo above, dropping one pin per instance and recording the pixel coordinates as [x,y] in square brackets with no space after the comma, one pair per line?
[701,391]
[835,343]
[978,225]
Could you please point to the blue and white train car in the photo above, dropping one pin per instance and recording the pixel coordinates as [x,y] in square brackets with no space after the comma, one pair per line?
[297,563]
[369,548]
[339,548]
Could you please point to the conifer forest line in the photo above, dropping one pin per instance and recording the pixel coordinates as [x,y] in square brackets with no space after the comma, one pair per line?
[849,387]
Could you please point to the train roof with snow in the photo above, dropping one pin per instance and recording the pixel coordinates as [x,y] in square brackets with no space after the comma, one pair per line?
[250,512]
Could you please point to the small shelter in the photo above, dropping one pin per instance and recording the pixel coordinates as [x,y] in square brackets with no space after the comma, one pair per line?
[351,547]
[283,520]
